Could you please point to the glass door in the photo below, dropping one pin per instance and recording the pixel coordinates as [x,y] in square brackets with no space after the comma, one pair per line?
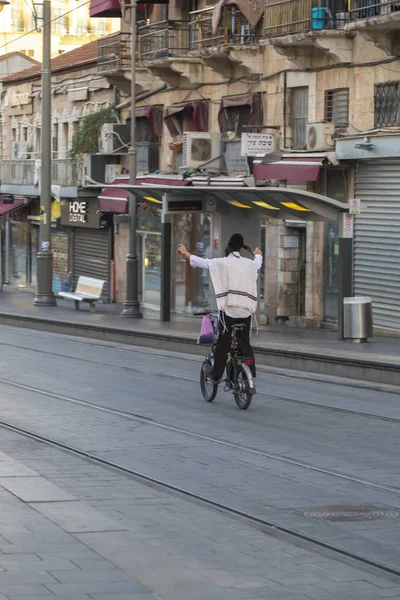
[336,187]
[150,260]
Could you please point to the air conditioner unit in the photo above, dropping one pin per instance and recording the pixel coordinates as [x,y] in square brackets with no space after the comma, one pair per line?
[320,136]
[93,168]
[111,173]
[114,139]
[15,149]
[201,149]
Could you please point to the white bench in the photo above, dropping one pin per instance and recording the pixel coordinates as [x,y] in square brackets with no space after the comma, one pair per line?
[88,290]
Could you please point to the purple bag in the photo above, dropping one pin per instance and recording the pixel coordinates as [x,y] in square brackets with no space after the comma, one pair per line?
[207,335]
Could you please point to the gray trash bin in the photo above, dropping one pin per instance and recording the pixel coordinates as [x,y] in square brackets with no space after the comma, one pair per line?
[357,318]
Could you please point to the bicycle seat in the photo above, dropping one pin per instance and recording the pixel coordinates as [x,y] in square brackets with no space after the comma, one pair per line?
[238,327]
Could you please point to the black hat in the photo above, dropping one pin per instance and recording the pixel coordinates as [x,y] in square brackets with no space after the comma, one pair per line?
[236,241]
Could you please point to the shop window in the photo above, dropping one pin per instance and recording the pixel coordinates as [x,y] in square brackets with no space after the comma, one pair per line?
[337,107]
[387,100]
[299,117]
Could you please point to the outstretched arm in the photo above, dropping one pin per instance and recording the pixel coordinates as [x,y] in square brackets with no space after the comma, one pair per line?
[195,261]
[258,258]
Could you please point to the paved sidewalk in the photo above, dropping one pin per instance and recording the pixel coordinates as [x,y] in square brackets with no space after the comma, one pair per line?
[279,346]
[72,530]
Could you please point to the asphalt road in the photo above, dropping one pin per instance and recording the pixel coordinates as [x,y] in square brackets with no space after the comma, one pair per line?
[319,458]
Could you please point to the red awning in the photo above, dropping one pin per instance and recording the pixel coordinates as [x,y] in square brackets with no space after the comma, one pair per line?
[7,206]
[112,8]
[116,199]
[105,8]
[290,169]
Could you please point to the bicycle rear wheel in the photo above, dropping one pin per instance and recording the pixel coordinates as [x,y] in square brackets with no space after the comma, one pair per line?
[242,394]
[208,388]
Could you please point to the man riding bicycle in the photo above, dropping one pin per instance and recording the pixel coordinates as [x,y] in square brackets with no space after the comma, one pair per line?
[234,279]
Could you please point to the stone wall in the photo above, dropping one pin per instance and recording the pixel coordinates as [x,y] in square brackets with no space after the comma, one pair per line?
[281,293]
[120,252]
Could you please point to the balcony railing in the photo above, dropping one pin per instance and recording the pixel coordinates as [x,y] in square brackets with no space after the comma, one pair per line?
[64,172]
[233,29]
[163,39]
[364,9]
[284,17]
[25,172]
[114,53]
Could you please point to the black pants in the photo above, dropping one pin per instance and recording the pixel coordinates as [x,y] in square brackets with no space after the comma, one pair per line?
[224,344]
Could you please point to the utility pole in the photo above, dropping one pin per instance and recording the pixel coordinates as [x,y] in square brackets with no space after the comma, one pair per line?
[44,289]
[131,304]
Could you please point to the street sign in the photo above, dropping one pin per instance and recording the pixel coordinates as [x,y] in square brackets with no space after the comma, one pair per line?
[348,225]
[355,206]
[257,144]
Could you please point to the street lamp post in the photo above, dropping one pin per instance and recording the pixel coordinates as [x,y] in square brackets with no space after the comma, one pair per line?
[44,289]
[131,304]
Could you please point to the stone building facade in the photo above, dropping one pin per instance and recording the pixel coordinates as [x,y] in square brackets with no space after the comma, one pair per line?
[324,81]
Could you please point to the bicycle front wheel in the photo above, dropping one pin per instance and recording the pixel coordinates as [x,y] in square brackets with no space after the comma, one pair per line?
[208,388]
[241,392]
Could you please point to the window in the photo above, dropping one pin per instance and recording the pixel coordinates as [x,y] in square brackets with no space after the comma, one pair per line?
[17,18]
[387,104]
[148,151]
[237,118]
[59,24]
[81,25]
[299,117]
[337,107]
[31,52]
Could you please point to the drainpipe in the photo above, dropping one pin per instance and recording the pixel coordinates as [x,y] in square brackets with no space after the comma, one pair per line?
[284,107]
[143,95]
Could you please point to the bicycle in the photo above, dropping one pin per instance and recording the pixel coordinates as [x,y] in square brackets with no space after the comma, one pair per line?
[238,380]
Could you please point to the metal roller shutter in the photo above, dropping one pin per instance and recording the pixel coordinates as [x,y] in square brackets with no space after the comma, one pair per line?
[92,253]
[377,239]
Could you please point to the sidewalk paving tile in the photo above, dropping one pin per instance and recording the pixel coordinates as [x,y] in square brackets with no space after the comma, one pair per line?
[77,517]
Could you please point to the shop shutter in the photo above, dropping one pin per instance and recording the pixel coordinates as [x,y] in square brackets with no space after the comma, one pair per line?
[92,253]
[377,239]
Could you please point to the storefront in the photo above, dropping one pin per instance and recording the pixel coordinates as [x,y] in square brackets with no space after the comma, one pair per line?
[91,242]
[113,203]
[18,248]
[376,271]
[377,238]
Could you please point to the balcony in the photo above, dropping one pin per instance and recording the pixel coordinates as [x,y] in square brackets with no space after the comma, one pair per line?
[367,9]
[304,32]
[164,50]
[163,39]
[21,176]
[114,59]
[378,21]
[233,29]
[232,50]
[114,53]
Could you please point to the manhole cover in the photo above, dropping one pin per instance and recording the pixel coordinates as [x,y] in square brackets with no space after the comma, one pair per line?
[351,512]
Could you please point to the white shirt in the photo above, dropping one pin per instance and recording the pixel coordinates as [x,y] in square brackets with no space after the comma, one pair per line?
[235,312]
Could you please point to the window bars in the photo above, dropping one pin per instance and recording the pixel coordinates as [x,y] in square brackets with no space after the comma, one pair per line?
[337,107]
[387,99]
